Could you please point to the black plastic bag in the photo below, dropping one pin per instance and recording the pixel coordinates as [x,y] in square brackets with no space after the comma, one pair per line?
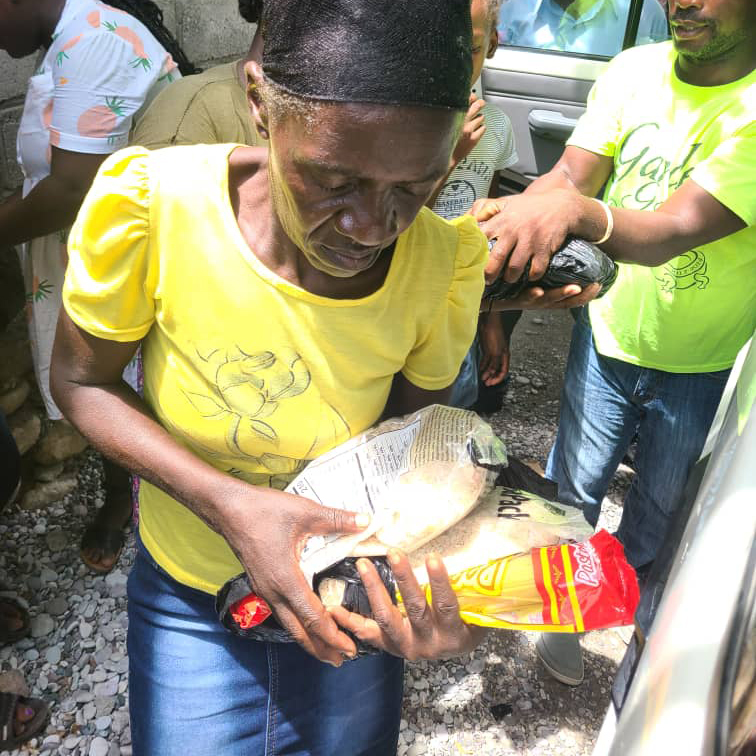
[355,600]
[518,475]
[576,262]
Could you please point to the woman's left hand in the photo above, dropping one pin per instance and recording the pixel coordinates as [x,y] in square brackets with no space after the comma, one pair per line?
[423,631]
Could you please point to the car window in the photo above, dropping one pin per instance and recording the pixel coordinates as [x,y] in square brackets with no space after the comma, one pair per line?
[589,27]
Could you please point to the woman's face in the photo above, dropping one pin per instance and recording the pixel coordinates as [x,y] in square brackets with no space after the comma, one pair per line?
[19,28]
[349,180]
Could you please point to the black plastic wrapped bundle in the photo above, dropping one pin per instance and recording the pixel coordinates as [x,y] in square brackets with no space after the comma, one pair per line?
[576,262]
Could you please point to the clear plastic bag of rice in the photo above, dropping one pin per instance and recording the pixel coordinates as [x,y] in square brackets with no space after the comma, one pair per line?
[416,476]
[506,521]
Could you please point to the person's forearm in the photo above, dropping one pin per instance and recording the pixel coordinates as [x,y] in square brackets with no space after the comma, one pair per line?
[51,206]
[577,170]
[118,423]
[639,236]
[554,179]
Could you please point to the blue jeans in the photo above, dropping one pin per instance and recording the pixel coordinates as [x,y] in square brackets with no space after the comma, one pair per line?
[604,403]
[465,387]
[197,690]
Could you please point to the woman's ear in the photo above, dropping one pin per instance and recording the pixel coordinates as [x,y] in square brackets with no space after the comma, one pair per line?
[258,109]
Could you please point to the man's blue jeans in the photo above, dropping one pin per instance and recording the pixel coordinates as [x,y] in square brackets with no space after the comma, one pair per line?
[197,690]
[604,403]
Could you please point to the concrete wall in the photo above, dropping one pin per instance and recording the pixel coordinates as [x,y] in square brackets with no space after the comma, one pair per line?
[209,31]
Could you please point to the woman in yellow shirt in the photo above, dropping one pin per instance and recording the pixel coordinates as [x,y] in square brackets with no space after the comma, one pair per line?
[285,299]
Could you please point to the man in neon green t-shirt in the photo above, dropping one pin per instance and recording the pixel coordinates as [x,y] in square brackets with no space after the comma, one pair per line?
[671,130]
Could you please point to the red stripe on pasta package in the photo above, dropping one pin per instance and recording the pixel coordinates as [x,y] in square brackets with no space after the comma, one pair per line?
[568,588]
[585,586]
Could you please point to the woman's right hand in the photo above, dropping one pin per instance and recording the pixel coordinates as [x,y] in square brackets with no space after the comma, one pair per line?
[267,530]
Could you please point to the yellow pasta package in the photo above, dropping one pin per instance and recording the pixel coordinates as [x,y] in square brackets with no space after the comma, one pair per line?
[566,588]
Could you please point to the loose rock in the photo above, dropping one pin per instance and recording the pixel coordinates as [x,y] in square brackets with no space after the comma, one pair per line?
[13,681]
[61,442]
[56,606]
[99,747]
[47,474]
[56,540]
[14,396]
[48,493]
[25,426]
[41,625]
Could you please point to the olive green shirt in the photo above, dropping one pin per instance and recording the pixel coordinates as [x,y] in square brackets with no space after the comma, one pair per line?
[207,108]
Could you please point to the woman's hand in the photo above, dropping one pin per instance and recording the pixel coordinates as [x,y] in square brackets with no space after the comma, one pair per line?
[267,530]
[424,631]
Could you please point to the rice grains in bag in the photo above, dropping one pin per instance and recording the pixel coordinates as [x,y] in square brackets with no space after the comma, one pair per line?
[506,521]
[416,476]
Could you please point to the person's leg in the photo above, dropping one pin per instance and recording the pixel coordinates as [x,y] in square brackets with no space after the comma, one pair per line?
[43,263]
[678,411]
[320,710]
[103,539]
[195,688]
[597,420]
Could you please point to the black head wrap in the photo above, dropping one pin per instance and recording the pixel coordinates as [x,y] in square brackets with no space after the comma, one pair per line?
[394,52]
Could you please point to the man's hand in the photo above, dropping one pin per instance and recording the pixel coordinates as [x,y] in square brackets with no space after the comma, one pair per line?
[423,631]
[528,228]
[472,131]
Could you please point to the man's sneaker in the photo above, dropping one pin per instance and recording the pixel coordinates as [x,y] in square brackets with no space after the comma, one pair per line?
[562,656]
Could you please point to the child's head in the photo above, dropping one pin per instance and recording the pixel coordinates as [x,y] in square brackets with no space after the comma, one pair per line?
[485,15]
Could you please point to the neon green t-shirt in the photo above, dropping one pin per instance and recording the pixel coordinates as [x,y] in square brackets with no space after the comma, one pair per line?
[694,313]
[251,373]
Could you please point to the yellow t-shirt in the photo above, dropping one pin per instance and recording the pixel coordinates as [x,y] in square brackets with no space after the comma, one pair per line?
[694,313]
[206,108]
[251,373]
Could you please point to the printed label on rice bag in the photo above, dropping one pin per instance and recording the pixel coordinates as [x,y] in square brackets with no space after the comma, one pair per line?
[357,477]
[439,437]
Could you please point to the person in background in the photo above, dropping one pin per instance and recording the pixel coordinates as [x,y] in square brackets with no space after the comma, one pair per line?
[485,148]
[21,718]
[285,300]
[208,108]
[99,66]
[592,27]
[670,129]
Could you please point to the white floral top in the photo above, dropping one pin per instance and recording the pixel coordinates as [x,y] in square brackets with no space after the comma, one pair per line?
[102,68]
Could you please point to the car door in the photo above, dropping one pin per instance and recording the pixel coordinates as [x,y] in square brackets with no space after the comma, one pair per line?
[550,53]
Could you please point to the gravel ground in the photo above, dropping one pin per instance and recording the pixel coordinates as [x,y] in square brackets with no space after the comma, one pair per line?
[495,702]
